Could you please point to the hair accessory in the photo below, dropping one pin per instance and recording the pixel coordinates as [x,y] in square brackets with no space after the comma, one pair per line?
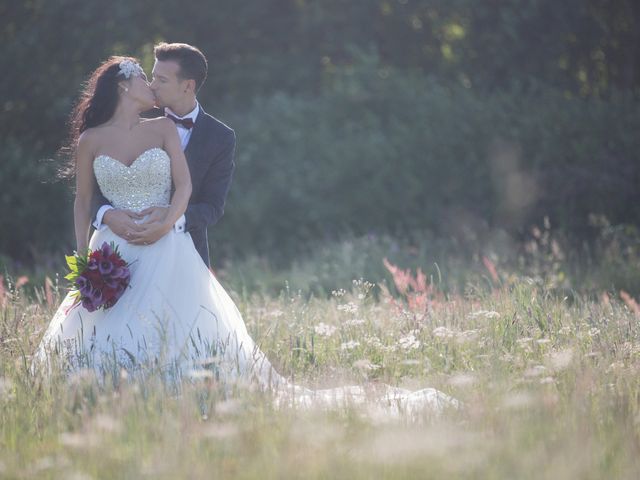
[128,68]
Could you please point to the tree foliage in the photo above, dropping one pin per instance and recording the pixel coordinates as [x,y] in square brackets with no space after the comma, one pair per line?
[351,114]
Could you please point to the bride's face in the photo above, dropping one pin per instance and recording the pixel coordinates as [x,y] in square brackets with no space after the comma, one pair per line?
[138,91]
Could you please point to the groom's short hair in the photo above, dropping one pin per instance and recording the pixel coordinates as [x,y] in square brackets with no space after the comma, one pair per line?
[192,62]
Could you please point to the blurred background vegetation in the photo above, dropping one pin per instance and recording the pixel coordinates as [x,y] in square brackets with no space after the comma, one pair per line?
[403,127]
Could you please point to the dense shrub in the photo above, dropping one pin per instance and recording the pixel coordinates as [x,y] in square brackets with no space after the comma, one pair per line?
[386,151]
[389,151]
[36,211]
[464,114]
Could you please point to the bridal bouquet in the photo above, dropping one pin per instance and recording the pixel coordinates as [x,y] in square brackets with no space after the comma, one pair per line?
[99,278]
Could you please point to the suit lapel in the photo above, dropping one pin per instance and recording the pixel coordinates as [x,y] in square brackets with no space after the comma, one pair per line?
[197,135]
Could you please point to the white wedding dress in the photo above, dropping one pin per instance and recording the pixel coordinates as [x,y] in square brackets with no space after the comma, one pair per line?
[176,316]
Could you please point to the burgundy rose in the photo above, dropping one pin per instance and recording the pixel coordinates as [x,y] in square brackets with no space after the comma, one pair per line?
[105,266]
[119,272]
[106,250]
[96,296]
[112,282]
[84,285]
[103,279]
[88,304]
[109,294]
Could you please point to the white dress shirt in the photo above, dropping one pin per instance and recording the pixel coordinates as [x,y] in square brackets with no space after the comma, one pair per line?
[184,132]
[185,135]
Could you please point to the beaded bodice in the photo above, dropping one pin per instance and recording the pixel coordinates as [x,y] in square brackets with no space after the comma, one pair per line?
[144,183]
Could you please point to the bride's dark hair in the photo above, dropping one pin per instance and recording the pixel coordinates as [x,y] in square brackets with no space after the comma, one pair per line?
[96,105]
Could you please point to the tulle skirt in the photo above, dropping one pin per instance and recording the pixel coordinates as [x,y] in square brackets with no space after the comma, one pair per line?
[174,314]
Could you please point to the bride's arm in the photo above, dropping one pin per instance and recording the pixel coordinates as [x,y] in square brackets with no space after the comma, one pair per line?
[179,174]
[84,193]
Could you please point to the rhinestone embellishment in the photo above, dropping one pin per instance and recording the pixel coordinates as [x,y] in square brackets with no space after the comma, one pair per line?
[144,183]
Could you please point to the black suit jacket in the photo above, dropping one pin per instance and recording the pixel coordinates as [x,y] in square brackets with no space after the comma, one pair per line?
[210,154]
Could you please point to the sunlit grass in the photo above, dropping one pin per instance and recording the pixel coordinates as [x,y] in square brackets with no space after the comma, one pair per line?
[550,388]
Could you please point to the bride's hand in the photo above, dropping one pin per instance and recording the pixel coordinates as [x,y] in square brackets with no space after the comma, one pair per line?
[156,214]
[122,222]
[150,233]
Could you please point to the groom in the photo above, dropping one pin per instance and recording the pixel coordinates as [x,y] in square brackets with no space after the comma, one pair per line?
[209,145]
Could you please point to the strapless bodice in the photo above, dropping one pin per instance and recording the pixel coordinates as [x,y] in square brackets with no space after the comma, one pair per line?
[144,183]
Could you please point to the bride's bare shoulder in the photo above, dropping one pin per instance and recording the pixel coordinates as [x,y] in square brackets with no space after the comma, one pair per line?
[95,134]
[161,126]
[159,123]
[88,140]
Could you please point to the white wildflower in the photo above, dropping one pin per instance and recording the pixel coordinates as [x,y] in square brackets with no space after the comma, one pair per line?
[442,332]
[355,322]
[350,345]
[566,330]
[42,464]
[373,341]
[561,360]
[462,380]
[518,400]
[488,314]
[78,440]
[409,342]
[5,386]
[106,423]
[466,336]
[221,431]
[615,367]
[411,362]
[365,365]
[229,407]
[324,330]
[199,374]
[535,371]
[348,307]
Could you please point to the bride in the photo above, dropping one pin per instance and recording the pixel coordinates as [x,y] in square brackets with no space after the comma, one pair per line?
[175,315]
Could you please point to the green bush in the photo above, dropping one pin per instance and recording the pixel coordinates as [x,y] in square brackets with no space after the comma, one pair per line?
[386,151]
[37,213]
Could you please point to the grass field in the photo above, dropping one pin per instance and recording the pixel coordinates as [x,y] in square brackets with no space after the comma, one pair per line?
[549,383]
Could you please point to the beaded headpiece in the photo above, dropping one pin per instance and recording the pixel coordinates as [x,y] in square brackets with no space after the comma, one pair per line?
[128,68]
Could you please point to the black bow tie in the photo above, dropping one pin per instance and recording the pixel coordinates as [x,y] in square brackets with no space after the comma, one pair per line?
[185,122]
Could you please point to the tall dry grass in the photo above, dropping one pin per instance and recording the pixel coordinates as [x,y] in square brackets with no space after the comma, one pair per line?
[550,387]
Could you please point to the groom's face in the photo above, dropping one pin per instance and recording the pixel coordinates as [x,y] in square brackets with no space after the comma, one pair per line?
[167,85]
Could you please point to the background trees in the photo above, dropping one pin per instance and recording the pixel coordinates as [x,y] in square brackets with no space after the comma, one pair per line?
[358,115]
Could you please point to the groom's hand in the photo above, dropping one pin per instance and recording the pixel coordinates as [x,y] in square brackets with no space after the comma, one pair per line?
[122,222]
[155,214]
[150,233]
